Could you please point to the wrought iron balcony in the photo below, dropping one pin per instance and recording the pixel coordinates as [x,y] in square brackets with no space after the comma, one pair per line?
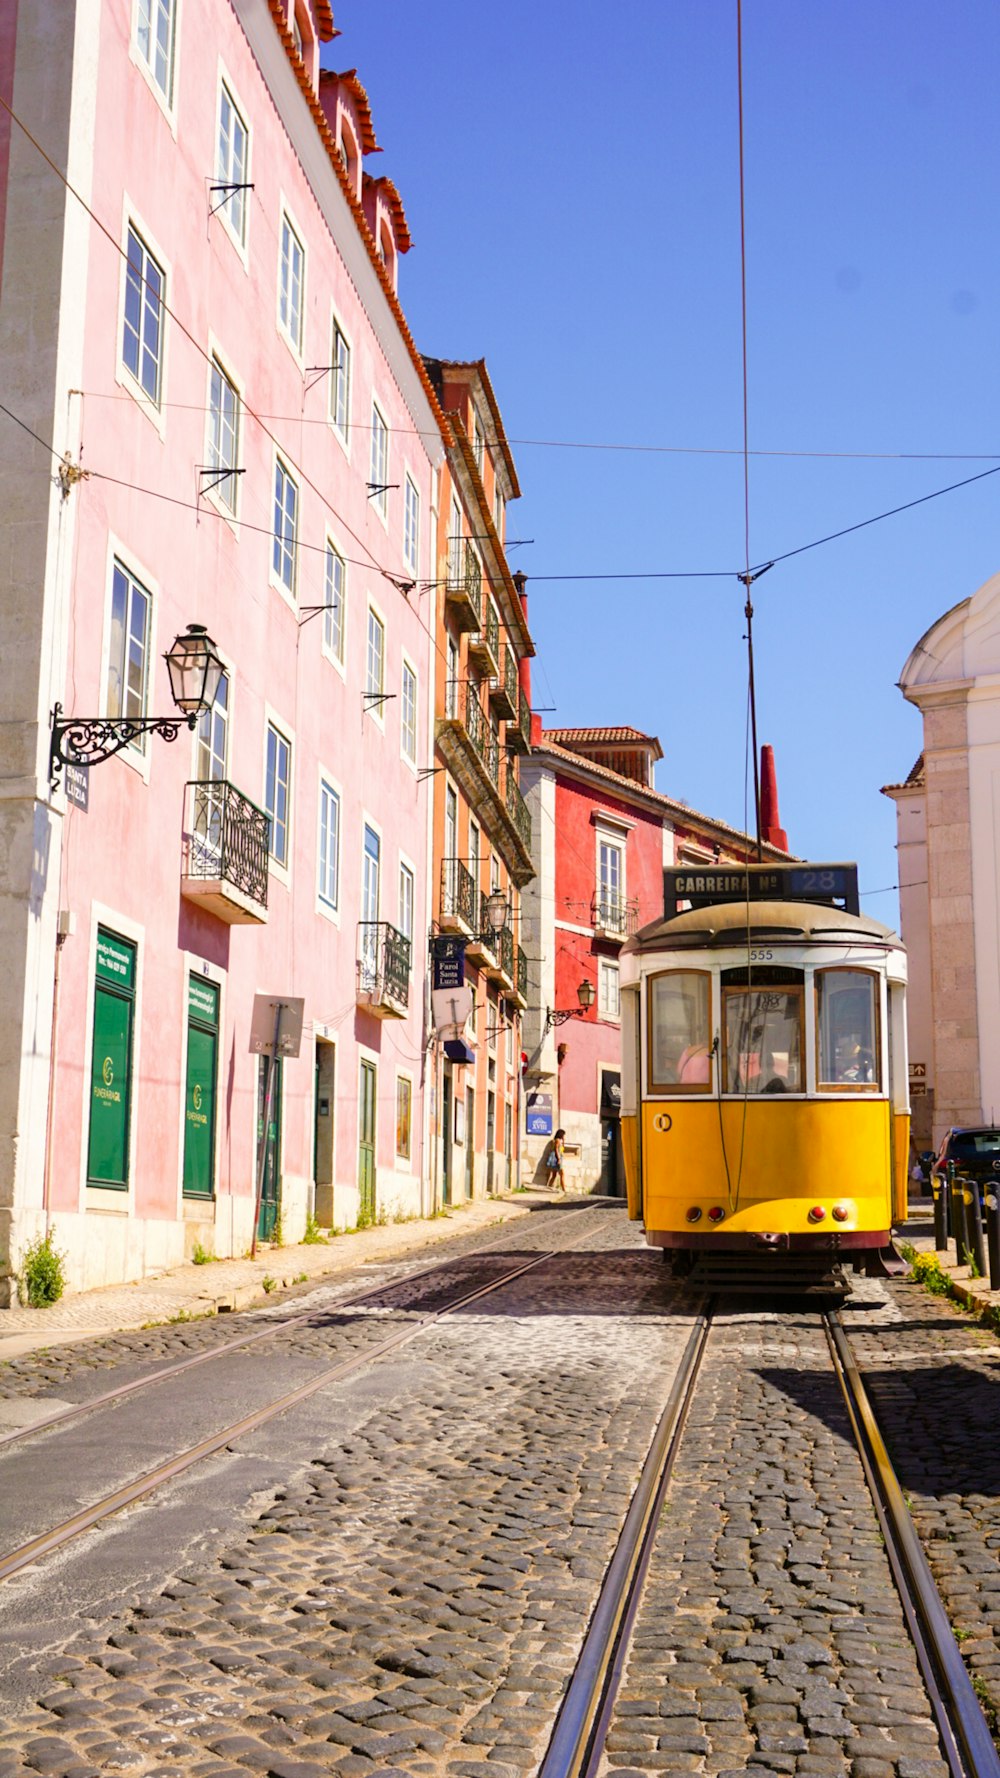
[516,807]
[484,643]
[483,945]
[520,977]
[224,864]
[613,916]
[504,689]
[383,969]
[464,585]
[466,712]
[458,897]
[519,731]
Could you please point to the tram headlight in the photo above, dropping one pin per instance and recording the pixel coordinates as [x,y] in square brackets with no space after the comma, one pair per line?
[817,1213]
[716,1214]
[694,1214]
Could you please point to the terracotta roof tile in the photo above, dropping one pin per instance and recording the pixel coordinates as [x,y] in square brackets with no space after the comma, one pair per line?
[601,737]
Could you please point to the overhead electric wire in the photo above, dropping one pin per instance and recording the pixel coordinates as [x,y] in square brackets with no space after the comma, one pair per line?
[582,444]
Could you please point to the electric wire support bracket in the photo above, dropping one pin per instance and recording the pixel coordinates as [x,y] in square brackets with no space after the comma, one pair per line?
[373,699]
[315,373]
[69,473]
[221,475]
[425,772]
[227,188]
[377,488]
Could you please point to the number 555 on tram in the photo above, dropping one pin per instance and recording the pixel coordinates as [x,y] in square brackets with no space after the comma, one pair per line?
[765,1103]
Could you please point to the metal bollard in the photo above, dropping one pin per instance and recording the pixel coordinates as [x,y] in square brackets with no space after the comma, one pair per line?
[993,1236]
[974,1227]
[940,1197]
[956,1208]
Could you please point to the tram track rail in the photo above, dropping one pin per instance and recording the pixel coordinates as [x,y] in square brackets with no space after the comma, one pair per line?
[576,1747]
[301,1323]
[47,1542]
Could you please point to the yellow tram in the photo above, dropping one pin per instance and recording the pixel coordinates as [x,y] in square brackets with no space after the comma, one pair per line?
[765,1112]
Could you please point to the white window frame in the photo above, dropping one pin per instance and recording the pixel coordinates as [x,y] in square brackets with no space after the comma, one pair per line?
[378,471]
[137,757]
[407,873]
[478,442]
[152,406]
[331,790]
[373,709]
[276,577]
[295,340]
[217,494]
[165,96]
[454,667]
[134,586]
[339,660]
[408,731]
[282,869]
[614,840]
[411,524]
[338,330]
[609,1004]
[222,207]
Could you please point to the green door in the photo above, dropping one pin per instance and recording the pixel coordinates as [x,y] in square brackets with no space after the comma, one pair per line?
[202,1074]
[366,1144]
[111,1063]
[270,1196]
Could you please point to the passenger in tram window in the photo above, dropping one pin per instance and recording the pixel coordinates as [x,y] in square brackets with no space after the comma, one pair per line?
[693,1065]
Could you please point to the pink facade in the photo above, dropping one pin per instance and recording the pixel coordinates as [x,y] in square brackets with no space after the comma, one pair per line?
[258,440]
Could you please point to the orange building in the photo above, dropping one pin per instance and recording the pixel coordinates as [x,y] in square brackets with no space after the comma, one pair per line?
[482,830]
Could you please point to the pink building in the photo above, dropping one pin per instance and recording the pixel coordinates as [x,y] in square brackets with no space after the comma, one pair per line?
[217,415]
[602,837]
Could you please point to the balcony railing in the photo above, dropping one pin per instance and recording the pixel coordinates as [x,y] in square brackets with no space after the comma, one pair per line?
[484,643]
[225,852]
[504,689]
[464,705]
[613,916]
[383,969]
[516,807]
[505,955]
[458,896]
[464,585]
[519,731]
[521,976]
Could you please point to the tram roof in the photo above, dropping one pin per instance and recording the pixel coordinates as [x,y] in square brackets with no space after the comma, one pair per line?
[769,922]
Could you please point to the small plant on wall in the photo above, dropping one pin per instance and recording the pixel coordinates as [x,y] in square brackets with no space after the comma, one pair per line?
[42,1278]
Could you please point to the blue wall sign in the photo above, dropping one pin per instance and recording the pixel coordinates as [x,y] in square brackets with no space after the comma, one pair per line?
[539,1114]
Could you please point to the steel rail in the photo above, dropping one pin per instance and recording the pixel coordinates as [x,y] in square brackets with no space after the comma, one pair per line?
[577,1742]
[47,1541]
[291,1324]
[965,1735]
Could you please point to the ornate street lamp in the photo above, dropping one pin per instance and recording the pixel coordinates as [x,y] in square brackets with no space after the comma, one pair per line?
[585,995]
[497,908]
[194,669]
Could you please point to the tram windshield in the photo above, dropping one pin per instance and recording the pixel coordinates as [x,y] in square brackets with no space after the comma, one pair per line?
[848,1029]
[763,1040]
[680,1031]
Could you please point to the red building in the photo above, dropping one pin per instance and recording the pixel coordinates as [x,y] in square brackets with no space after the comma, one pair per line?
[602,836]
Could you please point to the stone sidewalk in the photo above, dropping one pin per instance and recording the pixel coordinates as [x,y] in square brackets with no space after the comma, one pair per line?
[226,1284]
[973,1292]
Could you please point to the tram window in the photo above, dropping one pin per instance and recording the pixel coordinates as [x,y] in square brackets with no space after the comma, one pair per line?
[763,1040]
[847,1023]
[680,1031]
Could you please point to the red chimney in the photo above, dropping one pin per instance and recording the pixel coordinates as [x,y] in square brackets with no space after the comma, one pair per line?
[771,829]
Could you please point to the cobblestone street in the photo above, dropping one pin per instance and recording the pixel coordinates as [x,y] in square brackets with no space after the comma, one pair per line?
[397,1577]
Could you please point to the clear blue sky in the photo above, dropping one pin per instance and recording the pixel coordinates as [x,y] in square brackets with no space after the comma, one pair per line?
[570,176]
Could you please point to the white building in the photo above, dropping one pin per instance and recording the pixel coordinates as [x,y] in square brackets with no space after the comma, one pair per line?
[948,827]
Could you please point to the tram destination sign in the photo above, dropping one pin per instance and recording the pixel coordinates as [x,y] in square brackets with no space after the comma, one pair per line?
[702,886]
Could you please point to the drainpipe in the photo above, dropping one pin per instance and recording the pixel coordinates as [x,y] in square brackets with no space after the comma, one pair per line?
[61,937]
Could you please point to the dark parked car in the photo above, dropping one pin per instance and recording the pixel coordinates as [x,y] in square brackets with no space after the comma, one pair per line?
[975,1151]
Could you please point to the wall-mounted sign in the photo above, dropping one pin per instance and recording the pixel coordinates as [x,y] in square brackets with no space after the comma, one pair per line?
[447,962]
[918,1070]
[77,782]
[539,1114]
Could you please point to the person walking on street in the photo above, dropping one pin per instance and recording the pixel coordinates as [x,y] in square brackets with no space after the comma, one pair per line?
[557,1178]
